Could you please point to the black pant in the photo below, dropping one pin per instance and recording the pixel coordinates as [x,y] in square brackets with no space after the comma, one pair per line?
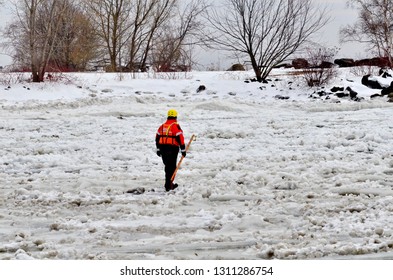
[169,158]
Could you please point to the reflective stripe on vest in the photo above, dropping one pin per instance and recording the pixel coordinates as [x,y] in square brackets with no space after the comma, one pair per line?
[167,137]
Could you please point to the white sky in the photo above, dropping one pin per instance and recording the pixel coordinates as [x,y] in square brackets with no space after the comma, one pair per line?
[340,16]
[338,11]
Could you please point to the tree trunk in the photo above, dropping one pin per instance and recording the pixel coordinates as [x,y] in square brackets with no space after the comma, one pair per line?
[34,74]
[256,68]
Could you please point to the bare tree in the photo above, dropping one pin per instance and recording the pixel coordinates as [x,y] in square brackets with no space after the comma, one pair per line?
[76,43]
[267,32]
[321,68]
[148,16]
[129,29]
[33,34]
[374,26]
[112,20]
[174,41]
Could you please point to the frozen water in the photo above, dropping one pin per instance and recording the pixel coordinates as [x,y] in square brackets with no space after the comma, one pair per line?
[274,179]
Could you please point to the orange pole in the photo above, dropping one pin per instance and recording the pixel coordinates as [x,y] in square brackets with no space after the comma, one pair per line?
[193,137]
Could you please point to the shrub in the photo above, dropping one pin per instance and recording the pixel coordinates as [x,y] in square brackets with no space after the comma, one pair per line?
[320,71]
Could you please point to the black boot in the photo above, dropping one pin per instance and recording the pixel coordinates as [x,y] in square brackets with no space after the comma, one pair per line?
[167,188]
[171,187]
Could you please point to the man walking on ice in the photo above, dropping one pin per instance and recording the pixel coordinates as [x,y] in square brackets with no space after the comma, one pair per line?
[169,138]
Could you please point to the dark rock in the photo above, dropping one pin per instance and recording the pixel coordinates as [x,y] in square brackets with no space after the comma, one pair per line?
[344,62]
[201,88]
[137,191]
[326,64]
[300,63]
[322,93]
[352,93]
[281,97]
[283,65]
[336,89]
[319,94]
[388,90]
[342,94]
[371,84]
[384,73]
[237,67]
[375,95]
[376,61]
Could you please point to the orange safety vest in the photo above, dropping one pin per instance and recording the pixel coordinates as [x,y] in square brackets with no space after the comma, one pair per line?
[169,132]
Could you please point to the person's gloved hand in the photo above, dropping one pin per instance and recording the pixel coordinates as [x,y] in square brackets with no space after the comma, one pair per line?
[183,153]
[158,153]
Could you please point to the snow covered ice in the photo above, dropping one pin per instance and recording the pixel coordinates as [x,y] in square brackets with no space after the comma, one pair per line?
[267,178]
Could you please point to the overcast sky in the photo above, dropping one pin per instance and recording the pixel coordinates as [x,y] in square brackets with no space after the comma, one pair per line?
[339,13]
[340,16]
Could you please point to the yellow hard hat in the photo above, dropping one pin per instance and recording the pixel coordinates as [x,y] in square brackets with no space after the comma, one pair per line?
[172,113]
